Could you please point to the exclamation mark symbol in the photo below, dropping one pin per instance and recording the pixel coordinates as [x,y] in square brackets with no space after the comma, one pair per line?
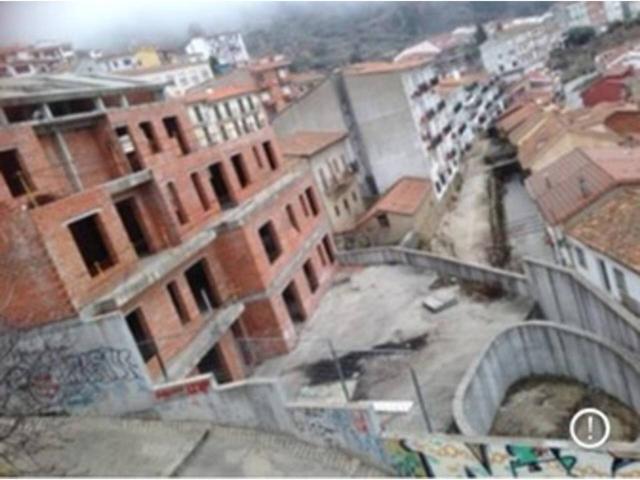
[590,427]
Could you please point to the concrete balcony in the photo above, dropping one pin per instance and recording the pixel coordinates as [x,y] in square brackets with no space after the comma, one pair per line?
[128,182]
[216,323]
[152,269]
[340,183]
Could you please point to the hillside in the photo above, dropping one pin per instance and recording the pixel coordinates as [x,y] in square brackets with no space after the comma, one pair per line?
[326,35]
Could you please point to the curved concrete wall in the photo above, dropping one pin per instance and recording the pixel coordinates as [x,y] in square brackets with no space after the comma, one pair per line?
[539,348]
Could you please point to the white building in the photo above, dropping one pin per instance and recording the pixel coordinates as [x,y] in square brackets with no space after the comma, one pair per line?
[334,169]
[227,48]
[41,57]
[605,245]
[519,50]
[179,77]
[589,201]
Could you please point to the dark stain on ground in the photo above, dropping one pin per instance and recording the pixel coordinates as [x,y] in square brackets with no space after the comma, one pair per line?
[351,363]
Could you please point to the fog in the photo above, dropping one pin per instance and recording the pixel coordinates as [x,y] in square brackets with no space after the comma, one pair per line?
[119,23]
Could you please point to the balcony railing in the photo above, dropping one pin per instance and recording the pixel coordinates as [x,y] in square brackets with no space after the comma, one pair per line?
[340,182]
[631,303]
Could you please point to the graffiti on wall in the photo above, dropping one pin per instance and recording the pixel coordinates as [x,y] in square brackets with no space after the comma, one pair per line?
[353,429]
[54,378]
[455,458]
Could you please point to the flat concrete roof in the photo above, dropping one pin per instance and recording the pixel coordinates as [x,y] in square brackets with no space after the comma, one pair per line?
[66,86]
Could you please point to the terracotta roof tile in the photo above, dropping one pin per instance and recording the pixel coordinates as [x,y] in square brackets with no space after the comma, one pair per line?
[612,226]
[578,178]
[513,119]
[403,198]
[308,143]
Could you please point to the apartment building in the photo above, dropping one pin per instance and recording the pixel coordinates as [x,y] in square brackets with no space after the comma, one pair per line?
[398,123]
[175,214]
[228,48]
[270,76]
[514,52]
[334,171]
[179,77]
[42,57]
[589,14]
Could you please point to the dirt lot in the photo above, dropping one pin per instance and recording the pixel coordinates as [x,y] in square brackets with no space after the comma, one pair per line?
[378,326]
[544,406]
[464,231]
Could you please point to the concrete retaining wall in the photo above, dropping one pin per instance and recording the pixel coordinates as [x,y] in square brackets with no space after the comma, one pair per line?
[541,348]
[84,368]
[510,282]
[567,298]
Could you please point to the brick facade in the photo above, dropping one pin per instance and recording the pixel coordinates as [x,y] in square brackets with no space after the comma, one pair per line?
[142,186]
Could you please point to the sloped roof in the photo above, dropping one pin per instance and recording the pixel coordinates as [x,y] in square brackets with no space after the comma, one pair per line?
[404,197]
[308,143]
[371,68]
[576,179]
[612,226]
[512,119]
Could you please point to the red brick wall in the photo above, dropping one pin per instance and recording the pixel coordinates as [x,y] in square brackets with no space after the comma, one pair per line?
[30,290]
[91,155]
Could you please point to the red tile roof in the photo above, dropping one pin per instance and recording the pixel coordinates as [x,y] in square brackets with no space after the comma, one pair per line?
[403,198]
[219,93]
[611,226]
[578,178]
[370,68]
[308,143]
[512,119]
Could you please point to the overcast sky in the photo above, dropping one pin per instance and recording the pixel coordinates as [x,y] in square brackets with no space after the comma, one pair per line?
[119,22]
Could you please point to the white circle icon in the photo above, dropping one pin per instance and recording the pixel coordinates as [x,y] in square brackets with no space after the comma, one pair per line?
[590,428]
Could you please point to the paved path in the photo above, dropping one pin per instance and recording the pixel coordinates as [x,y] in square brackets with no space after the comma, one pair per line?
[78,446]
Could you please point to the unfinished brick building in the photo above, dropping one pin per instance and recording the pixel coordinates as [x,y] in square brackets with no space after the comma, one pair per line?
[180,214]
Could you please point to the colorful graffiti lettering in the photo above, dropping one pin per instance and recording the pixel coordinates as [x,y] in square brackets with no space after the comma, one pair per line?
[455,458]
[38,380]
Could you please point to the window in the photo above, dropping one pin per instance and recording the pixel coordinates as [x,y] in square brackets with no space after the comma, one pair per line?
[201,287]
[305,210]
[311,198]
[310,275]
[238,167]
[130,217]
[270,241]
[383,220]
[271,156]
[580,257]
[178,302]
[174,131]
[604,274]
[292,217]
[337,210]
[354,196]
[89,239]
[220,187]
[347,207]
[140,333]
[13,174]
[202,195]
[326,243]
[256,154]
[176,203]
[323,259]
[150,134]
[621,281]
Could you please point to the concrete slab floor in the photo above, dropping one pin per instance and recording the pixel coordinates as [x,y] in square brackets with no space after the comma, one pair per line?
[382,304]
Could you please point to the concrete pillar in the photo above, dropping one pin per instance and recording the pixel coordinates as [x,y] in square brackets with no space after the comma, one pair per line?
[124,103]
[47,111]
[67,161]
[4,121]
[99,102]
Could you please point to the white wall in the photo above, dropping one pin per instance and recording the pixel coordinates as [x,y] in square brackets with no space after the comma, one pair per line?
[592,271]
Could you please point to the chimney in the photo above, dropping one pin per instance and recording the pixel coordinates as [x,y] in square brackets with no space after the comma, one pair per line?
[584,189]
